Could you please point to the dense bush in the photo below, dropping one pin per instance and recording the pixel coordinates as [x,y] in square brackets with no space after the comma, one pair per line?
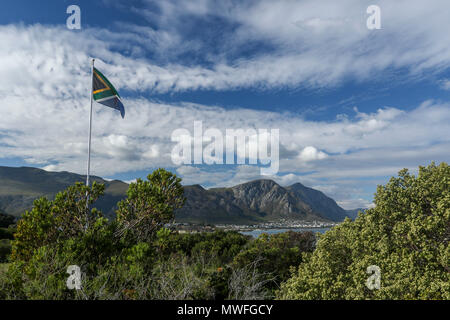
[7,233]
[406,235]
[7,230]
[276,254]
[135,257]
[5,250]
[220,244]
[207,253]
[112,255]
[68,216]
[6,220]
[132,257]
[149,205]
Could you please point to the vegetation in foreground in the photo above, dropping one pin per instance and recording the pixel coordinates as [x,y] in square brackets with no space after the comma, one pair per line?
[134,257]
[406,235]
[7,229]
[3,267]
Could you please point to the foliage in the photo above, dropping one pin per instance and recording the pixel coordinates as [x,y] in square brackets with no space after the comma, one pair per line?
[3,267]
[6,220]
[149,205]
[276,254]
[7,233]
[406,235]
[221,245]
[137,257]
[5,250]
[43,275]
[208,254]
[65,231]
[69,215]
[248,283]
[7,230]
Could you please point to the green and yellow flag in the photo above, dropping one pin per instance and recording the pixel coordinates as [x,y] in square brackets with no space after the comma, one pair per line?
[105,93]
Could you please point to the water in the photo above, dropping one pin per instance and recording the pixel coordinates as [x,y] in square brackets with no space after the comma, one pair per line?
[255,233]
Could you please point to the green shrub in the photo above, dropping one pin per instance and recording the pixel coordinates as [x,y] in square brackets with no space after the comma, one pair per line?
[406,235]
[5,250]
[7,233]
[222,245]
[68,216]
[149,205]
[6,220]
[276,254]
[117,258]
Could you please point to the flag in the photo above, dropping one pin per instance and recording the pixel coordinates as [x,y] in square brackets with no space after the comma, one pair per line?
[105,93]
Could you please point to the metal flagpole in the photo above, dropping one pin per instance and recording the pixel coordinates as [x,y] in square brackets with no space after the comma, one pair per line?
[89,147]
[90,126]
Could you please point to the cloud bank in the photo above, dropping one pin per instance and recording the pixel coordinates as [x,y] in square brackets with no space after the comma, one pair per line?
[44,90]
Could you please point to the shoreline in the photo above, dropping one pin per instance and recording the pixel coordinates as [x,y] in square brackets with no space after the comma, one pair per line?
[274,225]
[249,229]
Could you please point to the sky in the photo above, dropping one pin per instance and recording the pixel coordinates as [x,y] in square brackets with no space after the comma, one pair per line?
[353,106]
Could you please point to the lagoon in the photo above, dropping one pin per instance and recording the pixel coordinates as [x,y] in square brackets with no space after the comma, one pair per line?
[255,233]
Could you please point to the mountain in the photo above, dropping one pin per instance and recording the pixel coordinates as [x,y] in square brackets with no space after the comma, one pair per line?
[19,187]
[318,202]
[257,201]
[254,201]
[353,214]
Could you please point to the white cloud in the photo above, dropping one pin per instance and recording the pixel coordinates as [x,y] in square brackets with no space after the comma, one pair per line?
[51,168]
[444,84]
[310,153]
[188,170]
[44,91]
[53,133]
[311,45]
[153,152]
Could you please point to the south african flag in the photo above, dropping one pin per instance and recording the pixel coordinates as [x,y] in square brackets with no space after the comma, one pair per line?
[105,93]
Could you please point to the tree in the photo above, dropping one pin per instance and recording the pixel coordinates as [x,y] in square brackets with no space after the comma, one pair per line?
[149,205]
[5,250]
[6,220]
[406,235]
[48,221]
[116,257]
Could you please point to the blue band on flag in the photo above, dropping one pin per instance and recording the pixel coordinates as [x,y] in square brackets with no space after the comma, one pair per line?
[115,103]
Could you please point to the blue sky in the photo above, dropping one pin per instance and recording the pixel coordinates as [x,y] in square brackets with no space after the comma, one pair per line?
[353,105]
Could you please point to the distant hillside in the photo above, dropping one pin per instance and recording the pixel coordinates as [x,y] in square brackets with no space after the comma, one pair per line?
[353,214]
[254,201]
[19,187]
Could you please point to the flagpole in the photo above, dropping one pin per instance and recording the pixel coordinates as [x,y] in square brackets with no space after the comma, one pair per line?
[89,147]
[90,125]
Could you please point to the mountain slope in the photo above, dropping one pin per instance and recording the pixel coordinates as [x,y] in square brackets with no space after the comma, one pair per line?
[254,201]
[319,202]
[259,200]
[19,187]
[353,214]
